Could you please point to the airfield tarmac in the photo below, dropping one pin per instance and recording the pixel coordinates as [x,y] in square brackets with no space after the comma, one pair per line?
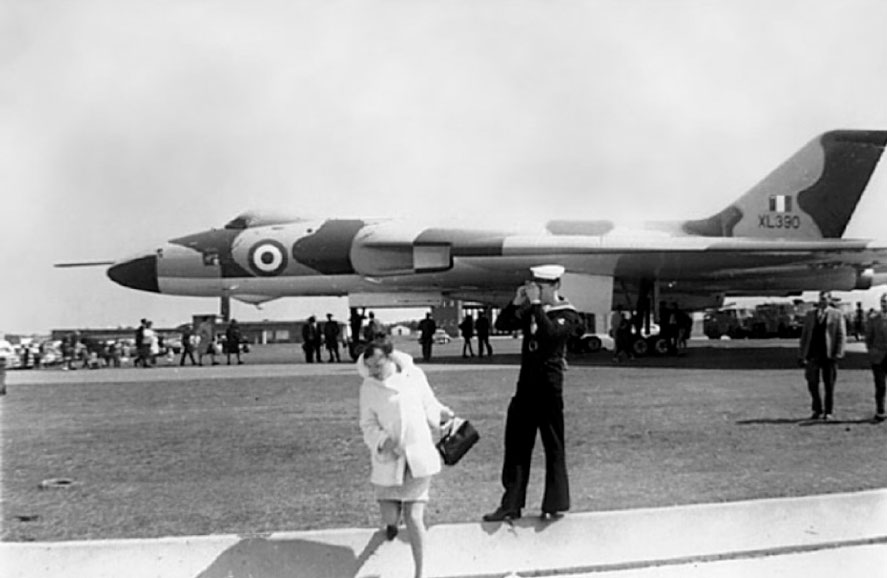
[724,424]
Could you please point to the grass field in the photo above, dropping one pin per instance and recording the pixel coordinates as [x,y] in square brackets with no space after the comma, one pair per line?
[271,448]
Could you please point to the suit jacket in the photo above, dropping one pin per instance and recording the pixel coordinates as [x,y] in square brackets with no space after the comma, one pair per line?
[876,337]
[835,333]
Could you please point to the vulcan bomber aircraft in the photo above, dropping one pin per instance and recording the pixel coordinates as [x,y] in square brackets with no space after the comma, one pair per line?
[784,236]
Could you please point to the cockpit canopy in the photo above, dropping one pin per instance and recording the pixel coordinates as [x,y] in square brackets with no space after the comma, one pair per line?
[251,219]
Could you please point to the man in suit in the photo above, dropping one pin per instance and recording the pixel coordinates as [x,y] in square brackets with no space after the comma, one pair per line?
[311,340]
[822,345]
[876,344]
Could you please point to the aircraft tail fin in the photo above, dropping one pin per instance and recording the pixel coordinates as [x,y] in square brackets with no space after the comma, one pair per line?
[812,195]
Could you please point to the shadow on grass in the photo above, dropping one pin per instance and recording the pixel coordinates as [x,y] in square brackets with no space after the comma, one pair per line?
[805,421]
[719,356]
[815,422]
[288,558]
[772,421]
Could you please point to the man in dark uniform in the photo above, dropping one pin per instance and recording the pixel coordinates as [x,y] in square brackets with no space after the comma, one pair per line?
[467,329]
[547,321]
[331,331]
[427,327]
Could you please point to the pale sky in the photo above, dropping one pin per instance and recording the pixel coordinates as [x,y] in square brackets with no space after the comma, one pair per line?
[124,123]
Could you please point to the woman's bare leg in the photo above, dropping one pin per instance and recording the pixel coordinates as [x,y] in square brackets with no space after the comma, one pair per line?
[414,516]
[390,511]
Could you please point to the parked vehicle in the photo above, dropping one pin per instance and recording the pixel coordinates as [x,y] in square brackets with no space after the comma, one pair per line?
[9,355]
[734,322]
[776,320]
[442,337]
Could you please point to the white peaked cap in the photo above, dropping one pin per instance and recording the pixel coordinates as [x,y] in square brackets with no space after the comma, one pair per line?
[547,272]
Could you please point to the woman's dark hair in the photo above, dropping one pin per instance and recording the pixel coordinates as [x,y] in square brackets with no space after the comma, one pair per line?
[382,345]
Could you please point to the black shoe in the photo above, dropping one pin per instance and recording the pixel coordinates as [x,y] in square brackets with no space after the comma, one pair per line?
[502,515]
[551,516]
[390,532]
[816,415]
[879,417]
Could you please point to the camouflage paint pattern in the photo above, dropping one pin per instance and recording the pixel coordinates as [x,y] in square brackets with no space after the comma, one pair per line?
[783,232]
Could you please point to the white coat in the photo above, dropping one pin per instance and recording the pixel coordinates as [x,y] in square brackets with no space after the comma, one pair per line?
[403,408]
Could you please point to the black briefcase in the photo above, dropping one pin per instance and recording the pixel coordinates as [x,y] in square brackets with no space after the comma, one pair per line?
[457,442]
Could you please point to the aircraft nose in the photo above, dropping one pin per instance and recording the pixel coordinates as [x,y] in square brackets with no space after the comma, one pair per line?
[138,273]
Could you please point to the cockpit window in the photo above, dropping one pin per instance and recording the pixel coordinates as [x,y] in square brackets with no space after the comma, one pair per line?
[237,223]
[256,219]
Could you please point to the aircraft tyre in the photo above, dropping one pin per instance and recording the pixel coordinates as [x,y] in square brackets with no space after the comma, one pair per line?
[591,344]
[658,345]
[640,347]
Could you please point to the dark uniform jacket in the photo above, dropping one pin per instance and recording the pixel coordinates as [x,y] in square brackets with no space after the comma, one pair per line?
[427,326]
[331,332]
[546,330]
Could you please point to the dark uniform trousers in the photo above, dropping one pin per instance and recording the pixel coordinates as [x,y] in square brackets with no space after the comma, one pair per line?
[526,416]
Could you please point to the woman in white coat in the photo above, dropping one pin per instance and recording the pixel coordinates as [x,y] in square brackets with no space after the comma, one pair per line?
[399,416]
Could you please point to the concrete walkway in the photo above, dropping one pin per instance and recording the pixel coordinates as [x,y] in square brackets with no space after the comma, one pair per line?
[829,535]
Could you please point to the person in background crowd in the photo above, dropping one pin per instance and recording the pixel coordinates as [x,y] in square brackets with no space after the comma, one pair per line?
[618,325]
[482,327]
[233,339]
[116,353]
[38,355]
[311,339]
[683,325]
[331,332]
[151,344]
[26,356]
[209,349]
[374,329]
[187,345]
[859,322]
[356,323]
[427,328]
[141,353]
[876,345]
[69,350]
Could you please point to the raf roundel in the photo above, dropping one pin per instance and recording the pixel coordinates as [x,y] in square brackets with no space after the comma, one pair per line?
[267,258]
